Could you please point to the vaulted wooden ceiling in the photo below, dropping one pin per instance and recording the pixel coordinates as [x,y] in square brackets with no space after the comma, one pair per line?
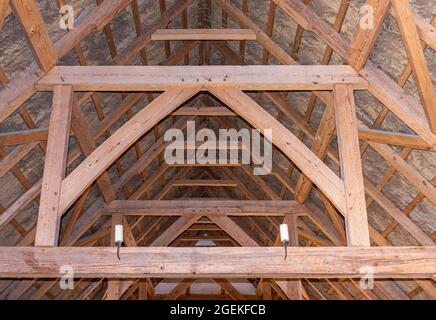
[81,147]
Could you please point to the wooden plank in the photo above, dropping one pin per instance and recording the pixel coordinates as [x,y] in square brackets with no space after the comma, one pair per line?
[406,170]
[394,138]
[204,111]
[364,39]
[30,18]
[356,219]
[47,228]
[312,167]
[224,262]
[159,78]
[11,159]
[415,53]
[204,34]
[22,137]
[102,157]
[205,206]
[427,31]
[205,183]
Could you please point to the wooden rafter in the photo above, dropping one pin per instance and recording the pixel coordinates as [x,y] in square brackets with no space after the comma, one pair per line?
[364,38]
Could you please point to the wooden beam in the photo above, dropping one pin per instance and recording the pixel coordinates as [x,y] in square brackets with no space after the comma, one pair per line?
[159,78]
[427,31]
[356,219]
[8,139]
[364,39]
[312,167]
[415,53]
[394,138]
[204,34]
[203,111]
[205,183]
[31,20]
[102,157]
[234,262]
[206,207]
[47,229]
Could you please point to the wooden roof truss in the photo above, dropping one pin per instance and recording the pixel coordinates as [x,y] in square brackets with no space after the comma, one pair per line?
[87,189]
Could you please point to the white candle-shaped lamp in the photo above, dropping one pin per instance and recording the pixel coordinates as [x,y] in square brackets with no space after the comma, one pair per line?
[284,232]
[118,238]
[118,233]
[284,237]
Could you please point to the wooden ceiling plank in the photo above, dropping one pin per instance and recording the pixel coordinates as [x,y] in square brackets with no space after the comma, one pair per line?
[47,229]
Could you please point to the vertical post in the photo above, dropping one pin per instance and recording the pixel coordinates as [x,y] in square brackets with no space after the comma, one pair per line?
[47,229]
[356,219]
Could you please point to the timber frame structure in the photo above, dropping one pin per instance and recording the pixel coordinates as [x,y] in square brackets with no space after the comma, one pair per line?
[113,172]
